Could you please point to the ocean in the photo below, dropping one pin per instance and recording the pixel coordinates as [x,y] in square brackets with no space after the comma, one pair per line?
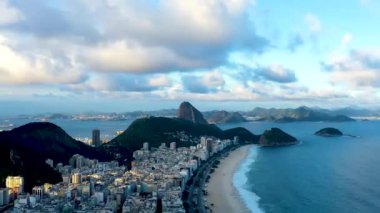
[317,175]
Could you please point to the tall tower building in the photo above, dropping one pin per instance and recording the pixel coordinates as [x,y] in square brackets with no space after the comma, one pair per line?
[79,162]
[76,178]
[96,138]
[209,143]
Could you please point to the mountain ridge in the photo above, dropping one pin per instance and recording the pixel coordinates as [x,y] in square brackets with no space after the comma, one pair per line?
[223,117]
[23,151]
[302,113]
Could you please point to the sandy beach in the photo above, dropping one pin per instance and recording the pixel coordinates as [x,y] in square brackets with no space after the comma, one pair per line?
[221,191]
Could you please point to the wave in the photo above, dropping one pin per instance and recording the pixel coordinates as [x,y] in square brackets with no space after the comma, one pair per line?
[240,180]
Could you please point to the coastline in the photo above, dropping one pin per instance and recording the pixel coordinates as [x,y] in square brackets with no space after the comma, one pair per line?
[223,196]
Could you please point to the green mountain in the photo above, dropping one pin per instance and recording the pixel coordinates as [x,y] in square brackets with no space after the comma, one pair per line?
[329,132]
[23,151]
[244,135]
[276,137]
[157,130]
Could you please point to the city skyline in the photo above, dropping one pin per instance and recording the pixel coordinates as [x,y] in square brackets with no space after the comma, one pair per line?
[106,56]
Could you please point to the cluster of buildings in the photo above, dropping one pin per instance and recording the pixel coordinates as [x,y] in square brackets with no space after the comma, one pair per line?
[14,186]
[154,183]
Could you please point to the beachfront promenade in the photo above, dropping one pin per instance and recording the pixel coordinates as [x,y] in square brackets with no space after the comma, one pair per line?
[194,192]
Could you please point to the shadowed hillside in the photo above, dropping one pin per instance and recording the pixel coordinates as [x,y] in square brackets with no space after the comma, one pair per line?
[25,149]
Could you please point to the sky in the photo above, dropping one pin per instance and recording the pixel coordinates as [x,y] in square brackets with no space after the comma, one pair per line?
[126,55]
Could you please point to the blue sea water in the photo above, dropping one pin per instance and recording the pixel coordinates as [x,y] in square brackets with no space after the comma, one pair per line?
[319,174]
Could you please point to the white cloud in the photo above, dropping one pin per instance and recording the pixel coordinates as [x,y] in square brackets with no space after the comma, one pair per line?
[169,35]
[360,68]
[356,78]
[313,23]
[347,38]
[8,14]
[106,83]
[210,21]
[123,56]
[210,82]
[17,68]
[274,73]
[160,81]
[213,79]
[140,36]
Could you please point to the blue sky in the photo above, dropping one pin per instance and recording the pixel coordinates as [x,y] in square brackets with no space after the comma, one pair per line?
[125,55]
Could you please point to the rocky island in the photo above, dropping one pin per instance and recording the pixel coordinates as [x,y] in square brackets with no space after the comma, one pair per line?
[329,132]
[276,137]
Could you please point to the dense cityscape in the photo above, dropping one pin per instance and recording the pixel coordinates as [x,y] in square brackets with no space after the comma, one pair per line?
[159,181]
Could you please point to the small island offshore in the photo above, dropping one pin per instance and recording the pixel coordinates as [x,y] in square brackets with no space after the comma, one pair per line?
[167,160]
[329,132]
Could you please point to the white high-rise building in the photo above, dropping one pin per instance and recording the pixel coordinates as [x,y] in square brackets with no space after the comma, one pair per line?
[4,196]
[203,141]
[15,184]
[236,140]
[79,162]
[50,162]
[146,146]
[173,145]
[99,197]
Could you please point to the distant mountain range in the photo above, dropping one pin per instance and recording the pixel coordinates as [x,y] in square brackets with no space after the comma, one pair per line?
[299,114]
[221,116]
[355,112]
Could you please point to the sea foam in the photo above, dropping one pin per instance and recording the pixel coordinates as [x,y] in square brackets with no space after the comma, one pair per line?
[250,199]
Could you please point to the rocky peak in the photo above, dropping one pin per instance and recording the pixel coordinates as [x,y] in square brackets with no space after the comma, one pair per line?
[188,112]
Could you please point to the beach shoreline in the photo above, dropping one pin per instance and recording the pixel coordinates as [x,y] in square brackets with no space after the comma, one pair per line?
[222,194]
